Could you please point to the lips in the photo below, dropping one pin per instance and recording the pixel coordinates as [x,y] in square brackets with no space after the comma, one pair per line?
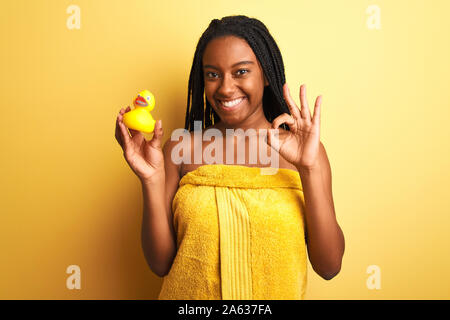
[140,101]
[233,106]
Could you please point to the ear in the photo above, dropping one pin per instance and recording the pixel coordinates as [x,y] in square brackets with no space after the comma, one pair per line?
[266,83]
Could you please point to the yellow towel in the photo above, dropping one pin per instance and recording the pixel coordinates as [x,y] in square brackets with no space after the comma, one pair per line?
[240,235]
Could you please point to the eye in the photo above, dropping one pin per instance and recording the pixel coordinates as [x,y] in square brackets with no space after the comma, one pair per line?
[209,73]
[246,71]
[148,98]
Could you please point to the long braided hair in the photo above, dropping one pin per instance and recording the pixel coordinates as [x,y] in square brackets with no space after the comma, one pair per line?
[266,51]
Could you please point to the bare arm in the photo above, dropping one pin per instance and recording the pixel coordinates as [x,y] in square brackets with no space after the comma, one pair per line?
[324,236]
[159,179]
[158,236]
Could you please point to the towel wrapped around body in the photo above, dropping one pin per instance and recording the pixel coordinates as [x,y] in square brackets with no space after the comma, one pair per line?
[240,235]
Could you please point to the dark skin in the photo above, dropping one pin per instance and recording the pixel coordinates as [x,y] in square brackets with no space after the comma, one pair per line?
[301,146]
[299,149]
[227,79]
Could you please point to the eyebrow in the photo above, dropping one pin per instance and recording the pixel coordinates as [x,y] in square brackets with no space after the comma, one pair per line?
[234,65]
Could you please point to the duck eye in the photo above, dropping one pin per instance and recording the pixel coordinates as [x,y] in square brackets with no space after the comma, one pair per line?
[148,98]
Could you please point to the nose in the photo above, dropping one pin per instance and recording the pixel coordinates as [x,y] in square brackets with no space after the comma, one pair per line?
[227,87]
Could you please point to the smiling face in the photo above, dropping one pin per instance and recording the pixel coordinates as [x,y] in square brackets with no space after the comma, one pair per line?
[234,82]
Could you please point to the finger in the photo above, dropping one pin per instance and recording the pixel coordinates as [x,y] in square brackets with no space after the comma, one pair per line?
[137,136]
[117,133]
[124,134]
[158,133]
[317,108]
[284,118]
[274,139]
[134,132]
[304,103]
[295,111]
[123,111]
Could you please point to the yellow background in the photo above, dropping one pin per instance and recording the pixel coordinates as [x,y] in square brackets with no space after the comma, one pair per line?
[68,196]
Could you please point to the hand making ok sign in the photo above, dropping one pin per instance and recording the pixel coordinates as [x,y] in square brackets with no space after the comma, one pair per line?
[300,145]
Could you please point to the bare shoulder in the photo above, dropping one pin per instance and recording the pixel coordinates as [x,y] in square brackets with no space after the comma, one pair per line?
[184,143]
[167,151]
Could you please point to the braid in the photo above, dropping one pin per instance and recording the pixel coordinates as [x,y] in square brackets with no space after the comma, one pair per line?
[266,51]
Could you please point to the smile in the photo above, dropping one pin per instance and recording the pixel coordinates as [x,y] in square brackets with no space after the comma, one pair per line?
[231,105]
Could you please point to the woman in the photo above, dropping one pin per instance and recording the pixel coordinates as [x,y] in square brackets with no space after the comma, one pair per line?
[224,230]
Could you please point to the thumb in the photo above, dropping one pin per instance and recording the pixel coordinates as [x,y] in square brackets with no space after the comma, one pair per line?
[157,135]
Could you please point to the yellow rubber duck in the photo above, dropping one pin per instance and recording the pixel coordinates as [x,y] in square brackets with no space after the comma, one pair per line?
[140,118]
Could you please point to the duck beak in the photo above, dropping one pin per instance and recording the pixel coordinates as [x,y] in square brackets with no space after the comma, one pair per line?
[140,101]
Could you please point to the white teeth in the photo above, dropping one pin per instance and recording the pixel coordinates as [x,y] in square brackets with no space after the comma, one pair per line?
[231,103]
